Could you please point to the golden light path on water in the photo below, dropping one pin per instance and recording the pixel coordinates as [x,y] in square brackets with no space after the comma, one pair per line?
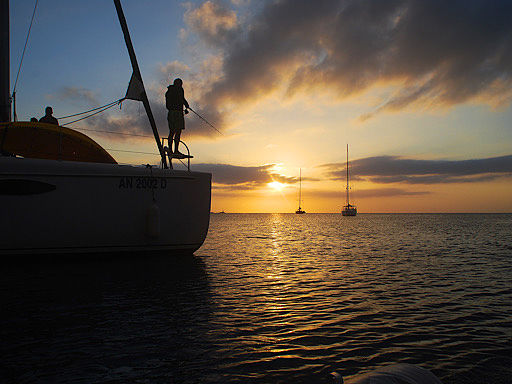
[274,298]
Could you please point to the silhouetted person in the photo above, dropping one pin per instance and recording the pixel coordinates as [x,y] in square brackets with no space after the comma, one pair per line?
[48,118]
[174,101]
[33,120]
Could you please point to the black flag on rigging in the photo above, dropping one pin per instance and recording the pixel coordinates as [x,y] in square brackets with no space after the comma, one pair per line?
[135,89]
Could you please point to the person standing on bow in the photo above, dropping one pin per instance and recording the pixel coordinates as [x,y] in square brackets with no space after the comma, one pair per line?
[174,101]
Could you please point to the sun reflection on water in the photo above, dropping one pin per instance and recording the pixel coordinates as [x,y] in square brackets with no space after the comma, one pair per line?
[316,292]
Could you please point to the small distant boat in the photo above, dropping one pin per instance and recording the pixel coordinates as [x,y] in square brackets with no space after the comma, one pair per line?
[300,211]
[348,210]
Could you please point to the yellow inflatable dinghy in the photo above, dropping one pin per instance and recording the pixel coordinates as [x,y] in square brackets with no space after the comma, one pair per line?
[48,141]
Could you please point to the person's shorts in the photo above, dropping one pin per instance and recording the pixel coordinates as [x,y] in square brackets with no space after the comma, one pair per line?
[176,120]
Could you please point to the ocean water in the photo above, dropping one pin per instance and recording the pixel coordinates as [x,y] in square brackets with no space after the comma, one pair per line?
[271,298]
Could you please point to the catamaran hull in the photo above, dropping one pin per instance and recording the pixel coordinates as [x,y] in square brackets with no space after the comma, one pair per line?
[53,206]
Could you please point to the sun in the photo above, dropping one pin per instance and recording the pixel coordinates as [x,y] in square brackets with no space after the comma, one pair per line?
[276,186]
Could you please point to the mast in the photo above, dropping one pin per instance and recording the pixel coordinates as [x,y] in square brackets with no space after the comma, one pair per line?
[5,76]
[347,178]
[300,185]
[136,74]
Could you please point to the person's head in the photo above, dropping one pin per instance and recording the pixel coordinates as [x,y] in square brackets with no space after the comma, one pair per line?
[178,82]
[49,110]
[33,120]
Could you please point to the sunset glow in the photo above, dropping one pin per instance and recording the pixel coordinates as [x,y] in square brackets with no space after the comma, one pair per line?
[276,186]
[427,113]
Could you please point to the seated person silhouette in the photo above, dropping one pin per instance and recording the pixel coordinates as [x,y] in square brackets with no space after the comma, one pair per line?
[48,118]
[33,120]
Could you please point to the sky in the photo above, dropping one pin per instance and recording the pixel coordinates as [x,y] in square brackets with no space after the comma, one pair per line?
[420,90]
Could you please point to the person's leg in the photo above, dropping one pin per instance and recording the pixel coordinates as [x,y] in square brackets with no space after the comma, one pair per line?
[170,140]
[171,132]
[177,137]
[178,126]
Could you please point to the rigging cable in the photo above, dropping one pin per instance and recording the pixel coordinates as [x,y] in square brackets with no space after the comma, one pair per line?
[104,108]
[91,110]
[21,61]
[206,121]
[125,150]
[96,110]
[112,132]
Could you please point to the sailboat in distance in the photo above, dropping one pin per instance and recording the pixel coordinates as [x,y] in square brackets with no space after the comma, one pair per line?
[348,210]
[300,210]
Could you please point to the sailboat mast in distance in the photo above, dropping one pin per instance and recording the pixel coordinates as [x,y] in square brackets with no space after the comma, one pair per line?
[347,179]
[300,210]
[300,185]
[348,210]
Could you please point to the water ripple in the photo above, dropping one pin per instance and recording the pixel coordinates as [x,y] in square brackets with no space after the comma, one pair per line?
[273,299]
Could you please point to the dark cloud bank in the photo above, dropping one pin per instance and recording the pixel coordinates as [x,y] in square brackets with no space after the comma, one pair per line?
[133,120]
[379,170]
[436,53]
[393,169]
[367,193]
[235,177]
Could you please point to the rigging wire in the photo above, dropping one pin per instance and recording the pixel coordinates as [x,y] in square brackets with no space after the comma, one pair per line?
[96,110]
[92,114]
[112,132]
[25,47]
[141,152]
[206,121]
[21,62]
[91,110]
[125,150]
[103,108]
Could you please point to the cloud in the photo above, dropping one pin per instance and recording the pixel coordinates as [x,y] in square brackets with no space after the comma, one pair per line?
[367,193]
[434,179]
[77,94]
[213,22]
[234,177]
[229,180]
[393,169]
[130,123]
[169,71]
[132,120]
[195,80]
[380,170]
[433,54]
[428,54]
[386,192]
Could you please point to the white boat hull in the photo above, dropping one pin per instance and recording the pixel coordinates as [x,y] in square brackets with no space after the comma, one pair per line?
[352,211]
[53,206]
